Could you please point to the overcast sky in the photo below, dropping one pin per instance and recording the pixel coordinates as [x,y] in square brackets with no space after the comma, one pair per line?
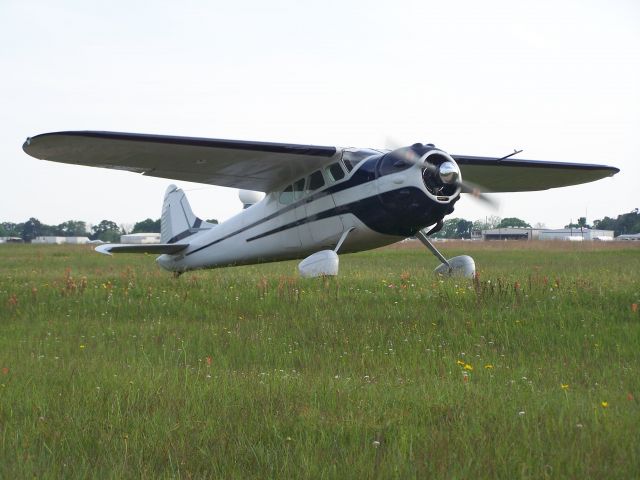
[559,79]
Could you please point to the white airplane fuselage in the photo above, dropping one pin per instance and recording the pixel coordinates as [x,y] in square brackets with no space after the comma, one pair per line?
[321,200]
[379,202]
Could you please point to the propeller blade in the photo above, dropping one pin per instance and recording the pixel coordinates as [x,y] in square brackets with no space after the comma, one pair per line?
[408,154]
[476,192]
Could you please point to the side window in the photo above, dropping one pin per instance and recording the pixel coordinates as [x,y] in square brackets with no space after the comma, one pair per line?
[316,181]
[287,195]
[298,189]
[335,172]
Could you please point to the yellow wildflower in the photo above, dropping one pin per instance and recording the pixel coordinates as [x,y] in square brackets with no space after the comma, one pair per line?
[468,367]
[81,346]
[564,386]
[460,362]
[604,404]
[488,366]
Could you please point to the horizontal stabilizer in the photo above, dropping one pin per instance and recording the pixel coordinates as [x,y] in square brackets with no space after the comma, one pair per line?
[156,248]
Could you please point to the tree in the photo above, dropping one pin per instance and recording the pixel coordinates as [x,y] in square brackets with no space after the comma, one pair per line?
[107,231]
[72,228]
[463,228]
[455,228]
[479,225]
[32,228]
[10,229]
[625,223]
[493,221]
[147,226]
[582,223]
[512,222]
[628,223]
[607,223]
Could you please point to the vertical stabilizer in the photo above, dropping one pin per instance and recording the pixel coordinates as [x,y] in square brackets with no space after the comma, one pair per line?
[178,220]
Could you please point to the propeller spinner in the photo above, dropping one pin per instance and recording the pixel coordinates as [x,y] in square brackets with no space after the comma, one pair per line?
[446,173]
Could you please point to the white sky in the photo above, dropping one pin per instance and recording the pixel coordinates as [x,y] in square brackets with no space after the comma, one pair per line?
[559,79]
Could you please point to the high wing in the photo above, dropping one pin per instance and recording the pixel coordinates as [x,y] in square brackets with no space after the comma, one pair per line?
[264,166]
[510,175]
[259,166]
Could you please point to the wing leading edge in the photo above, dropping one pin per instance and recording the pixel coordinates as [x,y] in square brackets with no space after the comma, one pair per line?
[260,166]
[265,166]
[510,175]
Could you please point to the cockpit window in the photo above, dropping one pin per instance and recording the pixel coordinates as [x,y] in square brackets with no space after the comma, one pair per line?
[335,172]
[349,163]
[287,195]
[351,158]
[316,181]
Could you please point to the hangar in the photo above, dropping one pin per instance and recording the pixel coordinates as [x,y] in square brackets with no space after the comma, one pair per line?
[523,233]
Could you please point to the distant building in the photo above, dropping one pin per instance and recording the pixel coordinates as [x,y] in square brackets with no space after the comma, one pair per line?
[523,233]
[510,233]
[60,240]
[140,238]
[629,236]
[11,240]
[76,240]
[576,233]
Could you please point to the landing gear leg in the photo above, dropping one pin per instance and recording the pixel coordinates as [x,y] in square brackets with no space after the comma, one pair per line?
[461,266]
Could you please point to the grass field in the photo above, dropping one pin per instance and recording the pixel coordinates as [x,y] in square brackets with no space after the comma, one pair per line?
[112,368]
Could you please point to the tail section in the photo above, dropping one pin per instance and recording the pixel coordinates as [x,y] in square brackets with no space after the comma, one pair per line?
[178,220]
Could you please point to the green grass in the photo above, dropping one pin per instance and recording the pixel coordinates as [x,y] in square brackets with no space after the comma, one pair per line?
[112,368]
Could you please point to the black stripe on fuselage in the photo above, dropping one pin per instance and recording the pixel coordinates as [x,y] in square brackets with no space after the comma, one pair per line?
[334,211]
[363,174]
[368,210]
[357,208]
[282,211]
[331,212]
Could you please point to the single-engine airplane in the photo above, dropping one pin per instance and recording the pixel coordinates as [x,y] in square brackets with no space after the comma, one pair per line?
[320,200]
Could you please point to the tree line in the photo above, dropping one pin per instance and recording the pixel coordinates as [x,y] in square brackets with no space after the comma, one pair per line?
[110,231]
[461,228]
[106,230]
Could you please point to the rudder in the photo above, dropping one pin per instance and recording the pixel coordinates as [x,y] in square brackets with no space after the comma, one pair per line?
[178,220]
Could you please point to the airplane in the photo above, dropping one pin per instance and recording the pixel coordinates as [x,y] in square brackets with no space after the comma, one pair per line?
[319,200]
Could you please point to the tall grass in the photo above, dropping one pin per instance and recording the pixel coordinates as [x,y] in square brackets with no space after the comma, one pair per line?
[112,368]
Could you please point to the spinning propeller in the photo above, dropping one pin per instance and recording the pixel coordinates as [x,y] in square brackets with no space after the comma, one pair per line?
[446,173]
